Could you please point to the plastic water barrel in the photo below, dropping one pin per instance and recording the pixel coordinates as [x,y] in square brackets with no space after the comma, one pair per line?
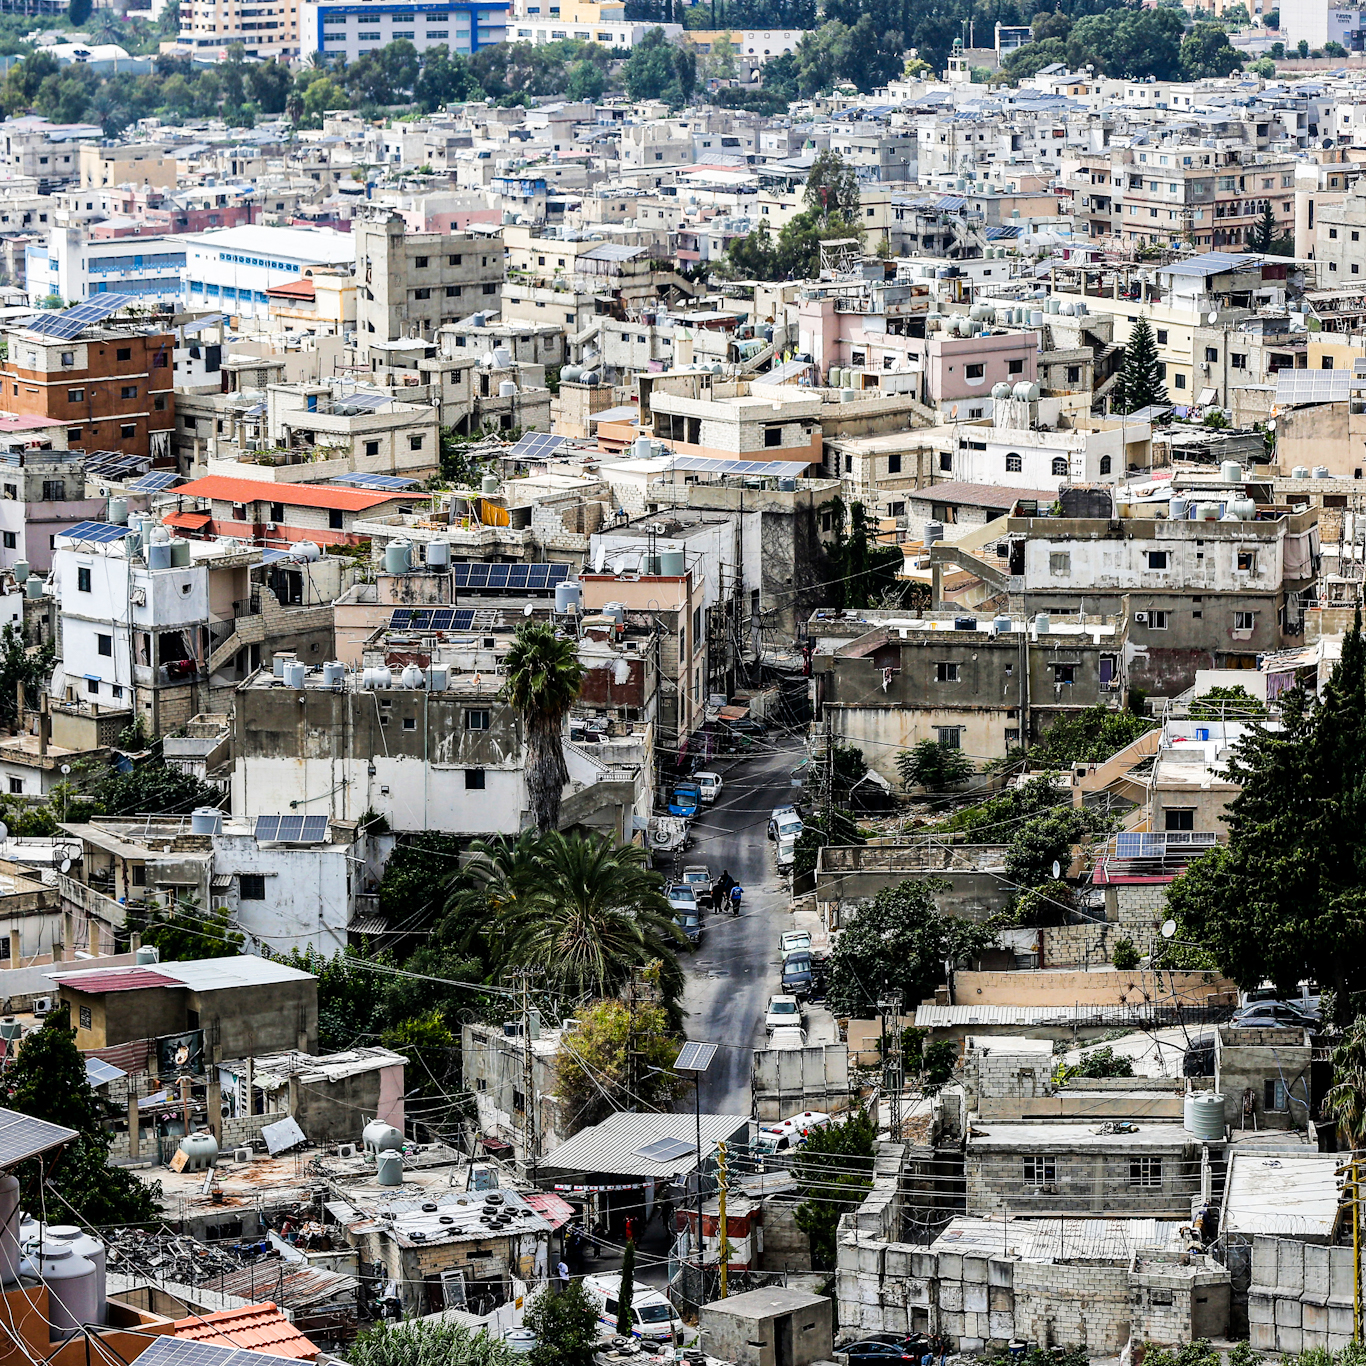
[200,1148]
[307,551]
[205,820]
[642,449]
[411,677]
[389,1168]
[33,588]
[672,564]
[1300,472]
[71,1286]
[147,954]
[295,674]
[1244,509]
[1000,389]
[334,674]
[571,374]
[282,657]
[180,553]
[397,557]
[1042,623]
[377,679]
[1321,472]
[159,555]
[506,388]
[934,533]
[1002,625]
[84,1245]
[1230,471]
[118,511]
[20,570]
[590,377]
[9,1229]
[377,1136]
[521,1341]
[615,610]
[10,1029]
[568,596]
[1177,509]
[438,554]
[1204,1116]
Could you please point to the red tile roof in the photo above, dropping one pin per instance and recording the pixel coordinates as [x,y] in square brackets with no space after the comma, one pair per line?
[256,1327]
[97,980]
[295,289]
[188,521]
[228,490]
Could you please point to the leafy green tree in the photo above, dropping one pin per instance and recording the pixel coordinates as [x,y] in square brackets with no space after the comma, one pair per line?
[1263,67]
[897,946]
[431,1049]
[1100,1063]
[650,73]
[1233,704]
[566,1327]
[21,666]
[1345,1102]
[1140,380]
[319,96]
[1267,236]
[933,766]
[626,1290]
[929,1067]
[352,1004]
[415,876]
[543,677]
[1206,53]
[685,70]
[1125,956]
[181,931]
[1087,737]
[833,1171]
[1302,48]
[78,11]
[47,1080]
[1332,49]
[780,77]
[270,83]
[1284,898]
[835,827]
[720,62]
[995,820]
[1046,839]
[831,185]
[430,1341]
[595,1065]
[586,82]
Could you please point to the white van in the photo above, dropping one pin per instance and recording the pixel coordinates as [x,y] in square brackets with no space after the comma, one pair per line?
[652,1316]
[789,1133]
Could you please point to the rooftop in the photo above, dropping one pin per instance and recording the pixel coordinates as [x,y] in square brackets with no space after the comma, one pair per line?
[205,974]
[257,1328]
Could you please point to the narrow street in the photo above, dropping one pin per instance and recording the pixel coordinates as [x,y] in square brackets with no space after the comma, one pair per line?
[733,973]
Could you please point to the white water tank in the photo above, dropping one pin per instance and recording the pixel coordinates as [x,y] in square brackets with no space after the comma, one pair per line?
[295,674]
[20,571]
[1321,472]
[71,1287]
[180,553]
[306,551]
[1000,389]
[33,588]
[615,610]
[1300,472]
[672,564]
[118,511]
[282,657]
[389,1168]
[641,450]
[200,1149]
[334,674]
[159,555]
[1230,471]
[9,1229]
[1042,623]
[1002,625]
[502,357]
[1243,510]
[205,820]
[438,554]
[146,955]
[397,557]
[506,388]
[568,596]
[411,677]
[1207,512]
[488,486]
[377,679]
[84,1245]
[1026,390]
[377,1136]
[1177,509]
[438,678]
[1204,1116]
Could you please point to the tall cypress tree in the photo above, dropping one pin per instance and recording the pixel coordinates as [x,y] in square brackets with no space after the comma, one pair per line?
[1265,235]
[1140,380]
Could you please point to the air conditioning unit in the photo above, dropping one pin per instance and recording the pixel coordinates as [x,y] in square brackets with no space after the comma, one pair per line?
[1141,618]
[241,1154]
[270,526]
[42,1005]
[346,1150]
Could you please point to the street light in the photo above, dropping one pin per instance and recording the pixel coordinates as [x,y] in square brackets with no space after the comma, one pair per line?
[696,1058]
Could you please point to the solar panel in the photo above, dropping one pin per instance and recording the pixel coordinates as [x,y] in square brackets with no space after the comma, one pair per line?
[75,320]
[113,463]
[154,482]
[291,829]
[401,617]
[166,1350]
[665,1150]
[462,619]
[22,1136]
[517,575]
[1313,386]
[200,324]
[695,1057]
[374,481]
[479,576]
[535,444]
[498,575]
[96,531]
[98,1072]
[537,575]
[557,573]
[361,400]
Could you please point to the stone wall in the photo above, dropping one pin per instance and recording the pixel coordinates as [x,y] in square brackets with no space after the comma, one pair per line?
[786,1247]
[1300,1296]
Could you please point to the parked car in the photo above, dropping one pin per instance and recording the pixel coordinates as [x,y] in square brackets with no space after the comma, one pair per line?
[685,800]
[782,1010]
[743,730]
[790,941]
[691,925]
[682,898]
[652,1316]
[872,1352]
[787,1134]
[698,877]
[709,785]
[1275,1015]
[798,975]
[787,1037]
[782,815]
[786,850]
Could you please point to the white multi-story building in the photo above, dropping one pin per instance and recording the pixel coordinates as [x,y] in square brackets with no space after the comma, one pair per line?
[609,33]
[73,267]
[265,28]
[351,28]
[233,268]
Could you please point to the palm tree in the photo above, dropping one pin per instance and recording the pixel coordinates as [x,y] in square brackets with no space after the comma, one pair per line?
[1346,1101]
[482,897]
[593,912]
[543,680]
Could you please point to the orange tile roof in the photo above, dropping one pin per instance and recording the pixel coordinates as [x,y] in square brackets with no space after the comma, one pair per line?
[188,521]
[256,1327]
[225,489]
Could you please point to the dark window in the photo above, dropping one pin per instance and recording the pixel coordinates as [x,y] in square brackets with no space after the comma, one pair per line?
[85,1017]
[128,391]
[128,431]
[1105,464]
[1060,466]
[476,719]
[1040,1171]
[893,464]
[139,875]
[415,442]
[16,785]
[251,886]
[490,289]
[773,436]
[334,518]
[277,512]
[975,371]
[1179,818]
[422,293]
[54,490]
[420,262]
[92,685]
[11,540]
[124,353]
[372,448]
[104,644]
[1064,673]
[83,579]
[1014,464]
[1162,336]
[946,673]
[1145,1171]
[452,260]
[1211,353]
[1157,559]
[945,461]
[1274,1095]
[1015,367]
[474,780]
[75,395]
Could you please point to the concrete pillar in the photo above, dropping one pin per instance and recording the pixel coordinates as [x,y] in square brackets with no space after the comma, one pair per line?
[215,1103]
[94,938]
[15,948]
[133,1136]
[68,933]
[293,1094]
[134,941]
[251,1080]
[185,1101]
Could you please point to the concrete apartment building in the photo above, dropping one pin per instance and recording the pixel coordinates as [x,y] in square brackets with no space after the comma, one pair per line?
[42,494]
[49,153]
[126,164]
[71,265]
[265,28]
[112,385]
[351,28]
[410,284]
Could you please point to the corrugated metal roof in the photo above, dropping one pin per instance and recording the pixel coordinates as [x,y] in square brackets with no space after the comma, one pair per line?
[1210,263]
[950,1017]
[609,1148]
[292,1287]
[1050,1240]
[100,980]
[291,495]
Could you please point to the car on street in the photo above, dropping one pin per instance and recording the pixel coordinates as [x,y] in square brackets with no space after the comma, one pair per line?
[685,800]
[789,1133]
[782,1010]
[652,1316]
[691,925]
[799,977]
[882,1349]
[791,941]
[709,785]
[787,1037]
[781,814]
[682,898]
[698,877]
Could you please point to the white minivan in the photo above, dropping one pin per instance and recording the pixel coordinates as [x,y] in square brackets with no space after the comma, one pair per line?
[652,1316]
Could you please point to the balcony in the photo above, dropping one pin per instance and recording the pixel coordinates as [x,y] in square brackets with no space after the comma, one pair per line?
[93,904]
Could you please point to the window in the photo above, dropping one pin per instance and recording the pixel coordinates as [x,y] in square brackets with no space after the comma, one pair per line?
[1238,359]
[1162,336]
[773,436]
[124,353]
[893,464]
[1074,374]
[128,391]
[1247,561]
[1145,1171]
[1014,463]
[1060,466]
[474,780]
[83,579]
[422,294]
[946,673]
[410,723]
[85,1017]
[1274,1095]
[1157,559]
[128,431]
[54,490]
[75,395]
[949,737]
[1211,353]
[11,540]
[334,519]
[1326,363]
[975,371]
[490,289]
[104,644]
[372,448]
[452,260]
[1040,1170]
[68,358]
[1064,673]
[1157,621]
[16,785]
[945,462]
[1244,621]
[277,512]
[73,434]
[420,262]
[1105,465]
[1180,381]
[92,685]
[251,886]
[476,719]
[1178,818]
[1060,562]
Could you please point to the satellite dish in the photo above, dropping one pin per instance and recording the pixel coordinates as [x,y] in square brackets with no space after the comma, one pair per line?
[1271,426]
[1214,316]
[1168,929]
[66,865]
[4,831]
[600,557]
[527,610]
[1057,870]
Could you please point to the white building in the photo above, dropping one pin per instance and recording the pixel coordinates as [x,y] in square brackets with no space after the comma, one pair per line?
[612,33]
[232,268]
[73,267]
[350,28]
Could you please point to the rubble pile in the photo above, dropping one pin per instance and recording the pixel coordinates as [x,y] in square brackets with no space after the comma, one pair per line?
[164,1256]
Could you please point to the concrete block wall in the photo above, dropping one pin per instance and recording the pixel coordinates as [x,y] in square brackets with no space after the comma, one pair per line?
[1093,945]
[992,1069]
[1081,1304]
[1299,1296]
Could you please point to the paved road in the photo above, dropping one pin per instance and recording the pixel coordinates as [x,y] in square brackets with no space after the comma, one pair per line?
[733,973]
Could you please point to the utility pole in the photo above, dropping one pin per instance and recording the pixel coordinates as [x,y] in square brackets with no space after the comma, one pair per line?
[632,1053]
[722,1246]
[529,1136]
[829,769]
